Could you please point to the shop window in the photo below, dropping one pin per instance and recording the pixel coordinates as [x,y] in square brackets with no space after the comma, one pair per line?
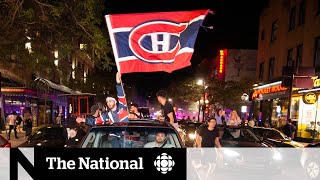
[292,21]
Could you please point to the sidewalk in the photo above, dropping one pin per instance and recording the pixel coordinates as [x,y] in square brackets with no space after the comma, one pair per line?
[15,142]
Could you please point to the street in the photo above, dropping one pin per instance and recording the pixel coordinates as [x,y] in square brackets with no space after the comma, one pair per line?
[15,142]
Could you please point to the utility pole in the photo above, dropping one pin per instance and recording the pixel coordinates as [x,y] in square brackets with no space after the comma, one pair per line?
[3,118]
[204,102]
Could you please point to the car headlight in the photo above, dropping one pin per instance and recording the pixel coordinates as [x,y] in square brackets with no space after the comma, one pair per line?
[231,153]
[192,136]
[277,156]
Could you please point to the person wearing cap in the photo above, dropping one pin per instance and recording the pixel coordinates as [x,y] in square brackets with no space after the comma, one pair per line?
[95,117]
[116,111]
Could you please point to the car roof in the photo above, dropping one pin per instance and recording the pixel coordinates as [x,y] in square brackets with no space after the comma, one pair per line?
[138,123]
[266,128]
[52,127]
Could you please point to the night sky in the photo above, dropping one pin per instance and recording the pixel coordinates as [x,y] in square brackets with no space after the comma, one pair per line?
[236,25]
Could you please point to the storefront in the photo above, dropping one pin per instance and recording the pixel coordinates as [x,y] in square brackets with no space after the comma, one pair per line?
[21,100]
[43,108]
[270,104]
[305,110]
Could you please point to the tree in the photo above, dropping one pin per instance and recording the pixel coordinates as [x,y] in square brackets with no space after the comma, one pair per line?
[186,92]
[219,93]
[32,30]
[228,94]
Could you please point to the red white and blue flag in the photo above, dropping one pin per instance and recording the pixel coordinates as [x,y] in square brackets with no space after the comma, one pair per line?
[151,42]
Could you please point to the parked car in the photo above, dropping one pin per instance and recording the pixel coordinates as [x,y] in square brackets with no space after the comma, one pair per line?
[190,128]
[133,134]
[4,143]
[241,156]
[276,137]
[310,161]
[50,136]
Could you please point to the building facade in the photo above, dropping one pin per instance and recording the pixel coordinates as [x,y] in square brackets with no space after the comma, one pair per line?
[236,65]
[289,41]
[45,94]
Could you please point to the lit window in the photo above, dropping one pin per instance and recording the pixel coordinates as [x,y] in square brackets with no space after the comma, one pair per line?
[73,64]
[73,75]
[56,62]
[28,46]
[83,46]
[56,54]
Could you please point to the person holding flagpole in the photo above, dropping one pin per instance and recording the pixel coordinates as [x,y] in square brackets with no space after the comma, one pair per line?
[116,111]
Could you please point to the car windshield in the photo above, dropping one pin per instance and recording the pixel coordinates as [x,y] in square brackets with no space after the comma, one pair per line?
[239,134]
[131,137]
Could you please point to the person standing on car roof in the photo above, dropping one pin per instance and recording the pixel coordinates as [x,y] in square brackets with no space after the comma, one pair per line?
[116,111]
[167,109]
[95,117]
[134,112]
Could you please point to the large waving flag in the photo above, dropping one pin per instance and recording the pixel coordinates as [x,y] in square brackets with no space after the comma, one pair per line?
[150,42]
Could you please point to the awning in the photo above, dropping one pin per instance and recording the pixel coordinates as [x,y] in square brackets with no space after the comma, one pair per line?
[59,87]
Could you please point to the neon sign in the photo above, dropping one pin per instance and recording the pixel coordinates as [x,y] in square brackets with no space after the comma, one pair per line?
[221,63]
[272,89]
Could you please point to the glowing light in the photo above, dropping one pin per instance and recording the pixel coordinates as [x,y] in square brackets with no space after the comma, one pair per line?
[56,54]
[56,62]
[221,61]
[200,82]
[243,109]
[73,74]
[28,46]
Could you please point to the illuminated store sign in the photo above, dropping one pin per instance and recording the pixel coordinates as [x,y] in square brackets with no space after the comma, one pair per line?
[259,93]
[310,98]
[316,82]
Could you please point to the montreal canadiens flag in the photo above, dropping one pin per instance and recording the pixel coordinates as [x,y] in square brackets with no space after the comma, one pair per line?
[151,42]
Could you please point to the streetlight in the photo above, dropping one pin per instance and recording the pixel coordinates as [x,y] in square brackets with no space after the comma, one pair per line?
[200,82]
[170,100]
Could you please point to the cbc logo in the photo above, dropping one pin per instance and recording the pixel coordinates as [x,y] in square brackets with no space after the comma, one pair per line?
[164,163]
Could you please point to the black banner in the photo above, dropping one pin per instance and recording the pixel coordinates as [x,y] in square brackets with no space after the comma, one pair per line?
[102,163]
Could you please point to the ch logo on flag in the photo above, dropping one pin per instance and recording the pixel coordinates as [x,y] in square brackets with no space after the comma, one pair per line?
[150,42]
[163,37]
